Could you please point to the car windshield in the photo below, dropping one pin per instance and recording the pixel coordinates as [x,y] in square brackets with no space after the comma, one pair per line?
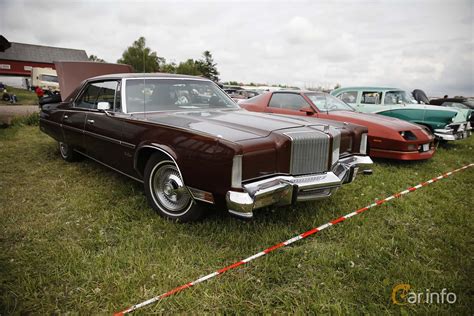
[326,102]
[398,97]
[154,95]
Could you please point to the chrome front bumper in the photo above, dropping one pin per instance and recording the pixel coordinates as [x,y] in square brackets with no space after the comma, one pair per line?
[285,190]
[463,131]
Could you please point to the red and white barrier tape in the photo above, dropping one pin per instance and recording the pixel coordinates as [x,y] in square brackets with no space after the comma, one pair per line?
[286,243]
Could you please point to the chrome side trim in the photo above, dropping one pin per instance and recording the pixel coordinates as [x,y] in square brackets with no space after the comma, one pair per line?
[106,165]
[103,137]
[195,191]
[72,128]
[129,145]
[49,121]
[99,136]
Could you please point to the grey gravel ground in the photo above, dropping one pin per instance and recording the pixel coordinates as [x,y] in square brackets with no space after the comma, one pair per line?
[7,112]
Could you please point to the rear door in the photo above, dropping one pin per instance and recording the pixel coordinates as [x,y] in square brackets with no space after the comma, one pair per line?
[371,102]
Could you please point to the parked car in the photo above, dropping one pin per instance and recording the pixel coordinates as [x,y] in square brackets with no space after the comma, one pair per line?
[444,123]
[388,137]
[456,102]
[241,94]
[190,150]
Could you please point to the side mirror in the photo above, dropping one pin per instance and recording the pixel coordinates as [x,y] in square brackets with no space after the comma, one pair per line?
[104,106]
[308,110]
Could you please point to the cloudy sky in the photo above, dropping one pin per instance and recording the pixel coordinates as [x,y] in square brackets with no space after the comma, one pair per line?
[412,44]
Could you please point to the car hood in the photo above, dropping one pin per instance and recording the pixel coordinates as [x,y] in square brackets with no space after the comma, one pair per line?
[459,115]
[373,120]
[232,125]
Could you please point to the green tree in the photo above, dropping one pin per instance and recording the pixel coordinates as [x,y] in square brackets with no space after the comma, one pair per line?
[168,68]
[189,67]
[96,59]
[140,57]
[207,67]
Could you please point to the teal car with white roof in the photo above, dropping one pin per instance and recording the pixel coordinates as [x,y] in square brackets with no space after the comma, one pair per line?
[445,123]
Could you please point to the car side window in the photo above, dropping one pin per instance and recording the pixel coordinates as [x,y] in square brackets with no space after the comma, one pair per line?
[348,97]
[371,97]
[290,101]
[96,92]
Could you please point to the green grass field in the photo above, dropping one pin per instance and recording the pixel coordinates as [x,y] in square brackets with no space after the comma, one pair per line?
[25,97]
[77,237]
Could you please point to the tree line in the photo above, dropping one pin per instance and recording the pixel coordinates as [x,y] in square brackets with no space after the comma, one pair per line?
[143,59]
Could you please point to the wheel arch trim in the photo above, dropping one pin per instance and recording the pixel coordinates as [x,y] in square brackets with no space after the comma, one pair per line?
[158,148]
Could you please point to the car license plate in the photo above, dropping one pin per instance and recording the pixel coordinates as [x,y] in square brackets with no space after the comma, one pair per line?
[425,147]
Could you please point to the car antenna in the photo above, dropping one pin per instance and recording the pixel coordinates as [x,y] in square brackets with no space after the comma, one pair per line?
[144,68]
[327,109]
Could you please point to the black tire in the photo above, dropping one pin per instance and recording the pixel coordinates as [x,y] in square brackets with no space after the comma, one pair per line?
[166,192]
[67,152]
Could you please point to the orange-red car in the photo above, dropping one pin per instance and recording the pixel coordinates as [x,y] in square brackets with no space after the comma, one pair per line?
[388,137]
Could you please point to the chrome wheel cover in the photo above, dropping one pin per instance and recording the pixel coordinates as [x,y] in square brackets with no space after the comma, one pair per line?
[168,190]
[63,148]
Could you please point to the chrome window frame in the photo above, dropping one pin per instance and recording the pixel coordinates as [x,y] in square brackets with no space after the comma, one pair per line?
[83,90]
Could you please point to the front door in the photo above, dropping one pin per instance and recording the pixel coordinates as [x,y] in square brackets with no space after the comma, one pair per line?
[100,102]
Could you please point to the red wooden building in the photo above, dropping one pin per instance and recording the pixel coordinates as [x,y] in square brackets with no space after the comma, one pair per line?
[17,59]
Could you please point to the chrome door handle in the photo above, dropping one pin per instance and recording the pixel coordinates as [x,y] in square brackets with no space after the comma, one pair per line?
[90,122]
[66,116]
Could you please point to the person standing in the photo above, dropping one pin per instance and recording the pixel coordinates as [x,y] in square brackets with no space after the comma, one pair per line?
[39,92]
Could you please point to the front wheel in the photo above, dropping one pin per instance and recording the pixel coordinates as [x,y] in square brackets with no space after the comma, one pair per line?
[166,192]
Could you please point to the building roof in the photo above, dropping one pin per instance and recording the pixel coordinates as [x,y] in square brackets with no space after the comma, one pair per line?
[42,54]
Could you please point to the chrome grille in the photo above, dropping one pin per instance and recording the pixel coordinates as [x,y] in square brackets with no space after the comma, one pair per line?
[309,151]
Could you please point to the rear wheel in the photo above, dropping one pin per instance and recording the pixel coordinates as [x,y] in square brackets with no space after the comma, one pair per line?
[166,192]
[67,152]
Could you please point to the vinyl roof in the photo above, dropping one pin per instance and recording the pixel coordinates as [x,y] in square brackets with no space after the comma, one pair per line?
[147,75]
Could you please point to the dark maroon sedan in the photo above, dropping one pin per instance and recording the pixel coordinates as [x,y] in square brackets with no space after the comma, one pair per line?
[190,144]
